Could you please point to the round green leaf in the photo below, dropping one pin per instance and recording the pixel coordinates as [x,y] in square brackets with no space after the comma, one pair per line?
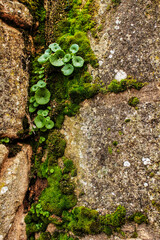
[77,61]
[47,118]
[49,124]
[31,108]
[41,84]
[74,48]
[67,69]
[48,51]
[45,113]
[57,58]
[40,112]
[54,47]
[35,104]
[34,88]
[32,99]
[42,96]
[41,72]
[67,58]
[39,121]
[43,58]
[41,75]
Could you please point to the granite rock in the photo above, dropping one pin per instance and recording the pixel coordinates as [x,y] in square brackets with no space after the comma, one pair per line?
[14,179]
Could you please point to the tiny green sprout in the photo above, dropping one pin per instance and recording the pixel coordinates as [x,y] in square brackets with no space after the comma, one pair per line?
[41,84]
[54,47]
[35,104]
[41,139]
[32,99]
[32,108]
[52,170]
[4,140]
[49,124]
[34,88]
[45,113]
[40,112]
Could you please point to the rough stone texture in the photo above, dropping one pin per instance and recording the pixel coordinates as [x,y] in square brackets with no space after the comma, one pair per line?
[18,229]
[13,186]
[15,13]
[129,40]
[3,153]
[125,174]
[14,80]
[143,231]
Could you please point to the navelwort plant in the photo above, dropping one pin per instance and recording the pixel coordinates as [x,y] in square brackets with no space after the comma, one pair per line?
[41,97]
[58,58]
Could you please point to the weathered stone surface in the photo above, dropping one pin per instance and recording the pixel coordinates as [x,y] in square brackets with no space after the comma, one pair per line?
[16,13]
[143,231]
[125,174]
[14,184]
[3,153]
[18,229]
[14,80]
[129,43]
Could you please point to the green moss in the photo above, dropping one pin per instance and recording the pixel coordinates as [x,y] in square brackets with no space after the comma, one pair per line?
[54,199]
[134,235]
[115,3]
[127,120]
[45,236]
[115,143]
[79,93]
[123,85]
[109,150]
[138,217]
[133,101]
[56,144]
[81,221]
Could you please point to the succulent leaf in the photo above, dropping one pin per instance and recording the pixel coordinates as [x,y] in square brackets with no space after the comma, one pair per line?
[74,48]
[77,61]
[67,69]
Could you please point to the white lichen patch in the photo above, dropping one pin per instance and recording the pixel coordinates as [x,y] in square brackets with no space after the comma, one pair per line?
[120,75]
[4,190]
[126,164]
[145,184]
[146,161]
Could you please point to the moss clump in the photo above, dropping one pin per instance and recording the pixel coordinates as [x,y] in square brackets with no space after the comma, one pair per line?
[45,236]
[56,144]
[116,3]
[53,198]
[133,101]
[127,120]
[123,85]
[82,220]
[80,38]
[138,217]
[109,150]
[79,93]
[115,143]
